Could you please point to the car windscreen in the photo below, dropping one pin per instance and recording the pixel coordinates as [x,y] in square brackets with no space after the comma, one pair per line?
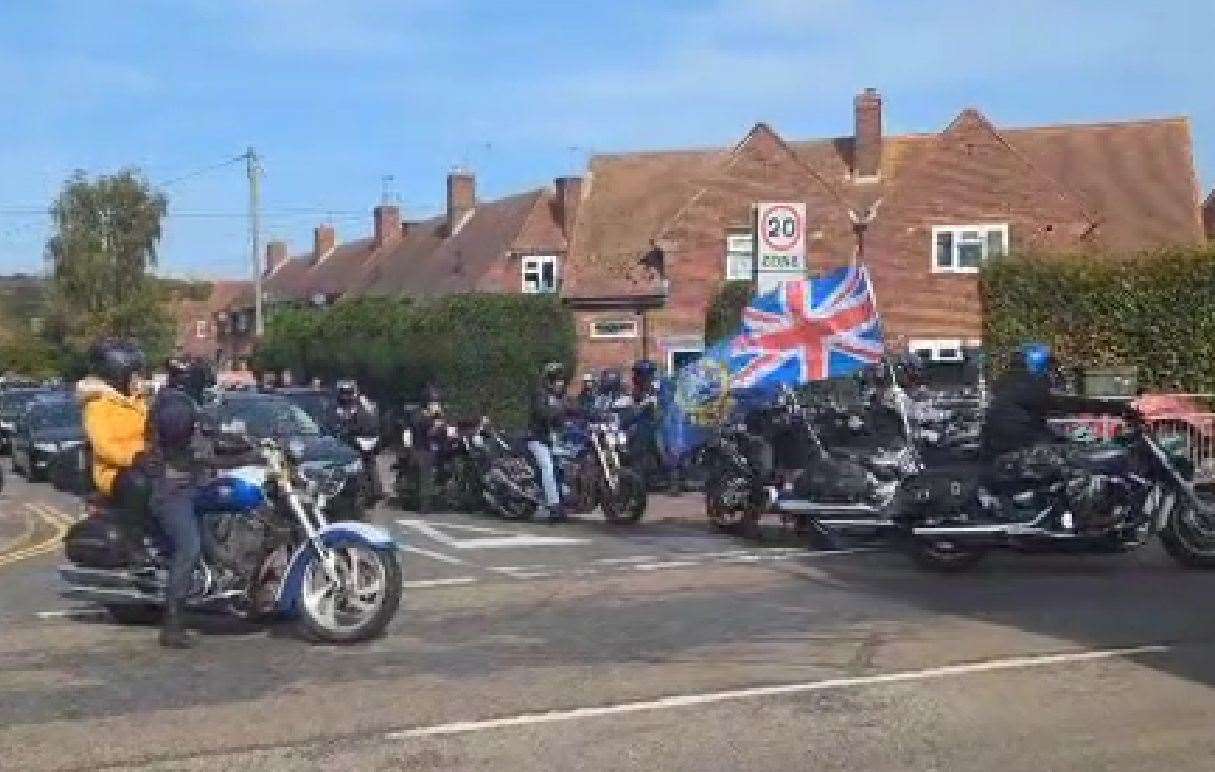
[268,417]
[319,406]
[54,415]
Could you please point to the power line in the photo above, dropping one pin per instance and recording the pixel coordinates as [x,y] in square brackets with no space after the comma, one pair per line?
[203,170]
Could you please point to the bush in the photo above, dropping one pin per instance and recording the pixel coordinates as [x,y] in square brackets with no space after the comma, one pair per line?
[723,317]
[1155,311]
[485,351]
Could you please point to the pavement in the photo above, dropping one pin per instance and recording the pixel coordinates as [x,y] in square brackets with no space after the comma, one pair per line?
[662,645]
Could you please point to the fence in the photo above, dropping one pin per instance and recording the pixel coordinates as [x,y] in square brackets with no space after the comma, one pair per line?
[1197,431]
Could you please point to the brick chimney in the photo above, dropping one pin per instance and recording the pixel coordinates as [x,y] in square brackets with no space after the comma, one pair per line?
[387,224]
[323,241]
[569,195]
[461,198]
[276,253]
[867,143]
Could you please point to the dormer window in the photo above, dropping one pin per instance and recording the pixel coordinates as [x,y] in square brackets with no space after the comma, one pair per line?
[540,274]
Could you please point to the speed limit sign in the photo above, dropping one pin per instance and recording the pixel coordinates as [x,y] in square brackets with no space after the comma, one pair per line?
[781,231]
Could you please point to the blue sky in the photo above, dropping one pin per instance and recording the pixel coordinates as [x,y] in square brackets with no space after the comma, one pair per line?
[336,95]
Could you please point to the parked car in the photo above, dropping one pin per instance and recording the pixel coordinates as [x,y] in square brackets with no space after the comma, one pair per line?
[13,402]
[274,416]
[319,404]
[50,424]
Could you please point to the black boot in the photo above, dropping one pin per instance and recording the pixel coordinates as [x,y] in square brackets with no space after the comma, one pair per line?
[173,635]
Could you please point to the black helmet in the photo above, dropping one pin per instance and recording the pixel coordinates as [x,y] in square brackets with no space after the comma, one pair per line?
[553,372]
[114,361]
[611,381]
[347,391]
[645,368]
[177,371]
[173,418]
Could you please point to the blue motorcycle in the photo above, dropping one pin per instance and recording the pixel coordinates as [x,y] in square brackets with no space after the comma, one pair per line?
[593,470]
[268,549]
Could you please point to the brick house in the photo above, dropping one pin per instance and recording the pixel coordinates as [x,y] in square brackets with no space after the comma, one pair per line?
[203,325]
[922,210]
[514,244]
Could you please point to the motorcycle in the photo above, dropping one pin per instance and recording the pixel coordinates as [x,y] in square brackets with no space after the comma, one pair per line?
[1100,497]
[503,474]
[592,470]
[268,548]
[454,485]
[818,468]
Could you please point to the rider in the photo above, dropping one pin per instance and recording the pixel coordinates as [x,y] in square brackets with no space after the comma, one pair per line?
[356,417]
[546,413]
[586,397]
[428,429]
[612,394]
[1016,420]
[115,416]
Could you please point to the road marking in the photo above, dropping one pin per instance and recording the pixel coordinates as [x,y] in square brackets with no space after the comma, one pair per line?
[708,698]
[54,518]
[424,583]
[664,564]
[512,540]
[633,559]
[71,613]
[433,555]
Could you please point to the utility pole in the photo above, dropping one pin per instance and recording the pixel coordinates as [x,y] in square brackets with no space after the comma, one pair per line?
[255,248]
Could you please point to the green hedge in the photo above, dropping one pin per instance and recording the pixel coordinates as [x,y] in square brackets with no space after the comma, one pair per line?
[1155,311]
[485,351]
[723,317]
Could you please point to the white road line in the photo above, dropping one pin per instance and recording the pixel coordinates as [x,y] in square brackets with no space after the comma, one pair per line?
[530,575]
[453,581]
[70,613]
[492,542]
[685,700]
[433,555]
[633,559]
[661,565]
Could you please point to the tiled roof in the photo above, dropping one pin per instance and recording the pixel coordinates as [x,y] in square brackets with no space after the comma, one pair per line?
[1135,178]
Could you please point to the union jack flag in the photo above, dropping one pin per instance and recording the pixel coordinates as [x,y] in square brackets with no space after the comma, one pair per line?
[808,330]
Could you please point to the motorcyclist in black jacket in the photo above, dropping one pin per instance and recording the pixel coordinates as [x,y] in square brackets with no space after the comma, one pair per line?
[546,413]
[428,429]
[1022,402]
[356,418]
[182,450]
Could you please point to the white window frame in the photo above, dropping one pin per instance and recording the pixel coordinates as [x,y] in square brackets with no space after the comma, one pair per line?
[534,264]
[935,347]
[733,237]
[200,328]
[956,232]
[671,352]
[632,331]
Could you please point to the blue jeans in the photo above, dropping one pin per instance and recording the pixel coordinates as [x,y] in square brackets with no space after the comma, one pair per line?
[173,505]
[548,475]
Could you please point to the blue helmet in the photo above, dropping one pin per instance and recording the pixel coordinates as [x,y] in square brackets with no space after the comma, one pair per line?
[1037,358]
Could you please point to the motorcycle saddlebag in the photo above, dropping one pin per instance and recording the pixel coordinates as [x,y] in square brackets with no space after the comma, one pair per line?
[98,543]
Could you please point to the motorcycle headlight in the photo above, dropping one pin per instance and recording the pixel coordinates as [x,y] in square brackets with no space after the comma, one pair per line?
[46,447]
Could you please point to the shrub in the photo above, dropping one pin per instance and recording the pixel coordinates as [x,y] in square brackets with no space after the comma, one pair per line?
[485,351]
[1154,310]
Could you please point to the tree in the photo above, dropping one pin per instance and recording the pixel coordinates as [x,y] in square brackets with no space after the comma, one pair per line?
[106,233]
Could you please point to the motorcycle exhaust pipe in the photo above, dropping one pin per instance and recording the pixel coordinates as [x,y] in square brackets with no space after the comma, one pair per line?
[804,507]
[110,595]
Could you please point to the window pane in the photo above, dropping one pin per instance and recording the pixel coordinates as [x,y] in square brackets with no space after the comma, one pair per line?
[970,255]
[995,242]
[548,276]
[970,236]
[944,249]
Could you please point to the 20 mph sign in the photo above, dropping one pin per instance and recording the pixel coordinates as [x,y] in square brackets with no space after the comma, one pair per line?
[781,231]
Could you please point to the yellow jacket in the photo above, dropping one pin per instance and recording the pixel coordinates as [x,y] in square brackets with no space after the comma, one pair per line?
[116,426]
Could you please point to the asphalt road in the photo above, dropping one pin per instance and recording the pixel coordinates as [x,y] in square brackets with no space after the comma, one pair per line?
[660,646]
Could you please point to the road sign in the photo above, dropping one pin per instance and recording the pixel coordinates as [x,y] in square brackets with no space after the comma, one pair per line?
[781,240]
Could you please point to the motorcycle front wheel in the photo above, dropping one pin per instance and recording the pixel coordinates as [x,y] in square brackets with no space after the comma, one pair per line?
[628,503]
[357,602]
[1189,538]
